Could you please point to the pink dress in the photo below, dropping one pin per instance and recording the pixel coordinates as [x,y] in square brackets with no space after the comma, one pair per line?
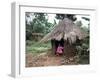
[59,50]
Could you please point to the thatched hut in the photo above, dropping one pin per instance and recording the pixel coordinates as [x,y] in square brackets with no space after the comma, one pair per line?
[37,36]
[65,34]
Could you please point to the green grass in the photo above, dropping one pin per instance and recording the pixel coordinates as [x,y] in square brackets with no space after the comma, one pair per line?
[37,48]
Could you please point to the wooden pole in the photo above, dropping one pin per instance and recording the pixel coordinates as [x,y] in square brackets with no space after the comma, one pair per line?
[53,46]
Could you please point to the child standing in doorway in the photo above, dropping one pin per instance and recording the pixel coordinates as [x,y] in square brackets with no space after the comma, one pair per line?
[59,50]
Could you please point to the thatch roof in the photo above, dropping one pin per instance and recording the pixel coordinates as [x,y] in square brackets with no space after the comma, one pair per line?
[67,30]
[37,34]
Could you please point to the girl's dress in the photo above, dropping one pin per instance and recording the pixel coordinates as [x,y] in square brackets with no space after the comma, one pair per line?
[59,50]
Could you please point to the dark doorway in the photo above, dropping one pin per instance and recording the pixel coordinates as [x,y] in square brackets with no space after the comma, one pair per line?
[59,43]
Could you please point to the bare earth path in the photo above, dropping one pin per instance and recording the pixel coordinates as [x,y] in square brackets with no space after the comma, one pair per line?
[47,59]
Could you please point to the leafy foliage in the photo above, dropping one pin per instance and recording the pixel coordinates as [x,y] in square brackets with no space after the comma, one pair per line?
[83,51]
[83,48]
[39,24]
[62,16]
[87,19]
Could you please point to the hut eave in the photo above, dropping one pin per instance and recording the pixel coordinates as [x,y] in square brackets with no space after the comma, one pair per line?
[67,30]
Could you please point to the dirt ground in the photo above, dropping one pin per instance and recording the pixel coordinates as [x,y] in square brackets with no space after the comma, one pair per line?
[49,59]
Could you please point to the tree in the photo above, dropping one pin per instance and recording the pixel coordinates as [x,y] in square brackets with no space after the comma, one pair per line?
[38,24]
[79,23]
[83,49]
[28,26]
[62,16]
[87,19]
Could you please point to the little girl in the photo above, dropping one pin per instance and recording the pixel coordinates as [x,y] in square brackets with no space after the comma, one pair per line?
[59,50]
